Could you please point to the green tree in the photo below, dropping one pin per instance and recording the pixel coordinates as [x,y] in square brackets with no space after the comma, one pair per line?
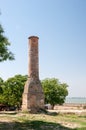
[4,43]
[55,92]
[2,86]
[12,94]
[1,83]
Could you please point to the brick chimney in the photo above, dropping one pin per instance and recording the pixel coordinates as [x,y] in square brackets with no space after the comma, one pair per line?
[33,96]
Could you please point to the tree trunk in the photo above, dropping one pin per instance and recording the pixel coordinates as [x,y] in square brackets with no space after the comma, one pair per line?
[52,107]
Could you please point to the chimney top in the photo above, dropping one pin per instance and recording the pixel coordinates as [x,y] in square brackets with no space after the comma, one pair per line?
[33,37]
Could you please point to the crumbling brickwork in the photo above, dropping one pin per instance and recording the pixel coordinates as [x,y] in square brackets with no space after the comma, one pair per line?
[33,96]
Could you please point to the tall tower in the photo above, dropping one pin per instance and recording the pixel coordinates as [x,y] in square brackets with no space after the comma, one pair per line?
[33,96]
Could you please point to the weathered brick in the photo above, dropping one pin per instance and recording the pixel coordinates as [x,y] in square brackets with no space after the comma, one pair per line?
[33,96]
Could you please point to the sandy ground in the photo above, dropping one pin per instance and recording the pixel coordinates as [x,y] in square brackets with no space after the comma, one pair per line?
[69,111]
[9,122]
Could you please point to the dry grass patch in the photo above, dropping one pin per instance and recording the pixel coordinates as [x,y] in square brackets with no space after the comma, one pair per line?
[49,121]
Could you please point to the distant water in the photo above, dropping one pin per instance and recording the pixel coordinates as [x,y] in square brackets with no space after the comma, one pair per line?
[76,100]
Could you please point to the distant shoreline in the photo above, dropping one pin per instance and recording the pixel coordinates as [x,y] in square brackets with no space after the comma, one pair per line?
[76,100]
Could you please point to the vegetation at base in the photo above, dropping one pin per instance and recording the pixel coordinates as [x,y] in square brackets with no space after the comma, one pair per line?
[55,92]
[11,91]
[28,121]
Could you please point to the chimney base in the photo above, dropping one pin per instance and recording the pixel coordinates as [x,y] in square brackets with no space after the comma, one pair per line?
[33,96]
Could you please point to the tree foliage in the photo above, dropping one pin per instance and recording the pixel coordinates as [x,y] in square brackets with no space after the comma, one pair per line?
[4,51]
[12,91]
[55,92]
[1,90]
[1,83]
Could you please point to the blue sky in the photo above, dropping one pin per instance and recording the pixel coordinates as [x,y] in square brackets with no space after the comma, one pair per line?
[61,28]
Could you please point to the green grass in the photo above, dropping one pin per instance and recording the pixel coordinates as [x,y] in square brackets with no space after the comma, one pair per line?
[51,121]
